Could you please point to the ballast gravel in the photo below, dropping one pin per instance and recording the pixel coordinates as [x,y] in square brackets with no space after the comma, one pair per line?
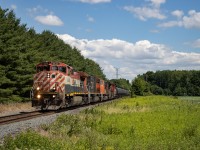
[16,128]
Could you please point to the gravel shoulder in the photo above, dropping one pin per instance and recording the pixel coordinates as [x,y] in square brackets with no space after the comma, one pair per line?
[15,128]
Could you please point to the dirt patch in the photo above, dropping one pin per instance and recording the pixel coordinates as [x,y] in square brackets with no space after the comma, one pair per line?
[13,108]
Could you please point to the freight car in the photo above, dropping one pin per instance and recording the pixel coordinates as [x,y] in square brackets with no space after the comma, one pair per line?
[57,85]
[122,92]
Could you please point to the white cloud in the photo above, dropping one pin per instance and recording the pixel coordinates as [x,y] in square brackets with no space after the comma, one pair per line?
[190,21]
[144,13]
[171,24]
[193,20]
[157,3]
[50,20]
[38,10]
[152,10]
[178,13]
[44,16]
[95,1]
[132,58]
[196,43]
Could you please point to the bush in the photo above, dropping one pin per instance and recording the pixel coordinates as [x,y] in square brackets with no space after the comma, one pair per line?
[31,140]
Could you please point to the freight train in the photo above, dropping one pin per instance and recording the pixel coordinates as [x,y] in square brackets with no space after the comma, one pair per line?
[57,85]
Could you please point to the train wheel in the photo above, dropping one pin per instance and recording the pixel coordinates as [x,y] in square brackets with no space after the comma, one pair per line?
[44,107]
[85,100]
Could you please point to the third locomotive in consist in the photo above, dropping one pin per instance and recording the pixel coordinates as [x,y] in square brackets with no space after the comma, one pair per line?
[58,85]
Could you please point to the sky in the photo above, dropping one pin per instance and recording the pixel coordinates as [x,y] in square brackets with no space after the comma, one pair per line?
[125,37]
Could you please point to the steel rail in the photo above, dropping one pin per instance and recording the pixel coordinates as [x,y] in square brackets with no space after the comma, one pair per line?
[22,116]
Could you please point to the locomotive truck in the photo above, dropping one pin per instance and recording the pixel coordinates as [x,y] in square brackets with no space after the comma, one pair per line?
[57,85]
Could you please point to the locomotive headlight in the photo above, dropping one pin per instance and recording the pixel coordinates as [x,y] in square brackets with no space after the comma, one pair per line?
[38,96]
[38,88]
[54,96]
[48,75]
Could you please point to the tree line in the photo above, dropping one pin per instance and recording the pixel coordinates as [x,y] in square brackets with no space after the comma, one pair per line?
[176,83]
[21,48]
[122,83]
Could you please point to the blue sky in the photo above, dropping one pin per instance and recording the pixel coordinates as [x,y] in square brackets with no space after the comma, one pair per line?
[133,35]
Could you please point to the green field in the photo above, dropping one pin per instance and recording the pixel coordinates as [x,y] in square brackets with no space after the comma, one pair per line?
[151,122]
[192,99]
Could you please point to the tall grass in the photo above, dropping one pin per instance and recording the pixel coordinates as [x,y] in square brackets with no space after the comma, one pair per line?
[153,122]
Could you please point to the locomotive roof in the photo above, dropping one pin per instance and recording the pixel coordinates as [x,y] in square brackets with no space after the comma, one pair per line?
[53,63]
[83,74]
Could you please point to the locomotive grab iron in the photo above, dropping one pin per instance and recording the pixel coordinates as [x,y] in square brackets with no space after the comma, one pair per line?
[57,85]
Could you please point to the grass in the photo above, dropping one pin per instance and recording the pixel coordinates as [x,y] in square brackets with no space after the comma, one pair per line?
[152,122]
[193,99]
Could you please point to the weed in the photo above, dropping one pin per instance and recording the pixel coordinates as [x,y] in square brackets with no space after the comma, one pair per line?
[190,131]
[31,140]
[169,123]
[112,129]
[137,104]
[125,107]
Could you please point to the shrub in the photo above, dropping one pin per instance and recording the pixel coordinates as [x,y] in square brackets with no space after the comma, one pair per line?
[31,140]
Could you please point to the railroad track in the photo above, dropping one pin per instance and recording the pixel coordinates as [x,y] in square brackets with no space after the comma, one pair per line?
[34,114]
[23,116]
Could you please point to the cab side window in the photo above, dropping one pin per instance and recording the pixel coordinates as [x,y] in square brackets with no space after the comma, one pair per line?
[62,69]
[39,68]
[54,68]
[46,68]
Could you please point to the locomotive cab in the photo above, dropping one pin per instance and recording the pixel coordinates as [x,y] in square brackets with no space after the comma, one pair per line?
[48,86]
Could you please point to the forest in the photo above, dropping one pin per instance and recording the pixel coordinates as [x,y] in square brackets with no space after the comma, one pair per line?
[21,48]
[166,82]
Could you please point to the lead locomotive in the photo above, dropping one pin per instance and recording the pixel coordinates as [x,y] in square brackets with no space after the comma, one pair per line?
[57,85]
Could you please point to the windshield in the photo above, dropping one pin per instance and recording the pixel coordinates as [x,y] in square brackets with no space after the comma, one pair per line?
[62,69]
[43,68]
[53,68]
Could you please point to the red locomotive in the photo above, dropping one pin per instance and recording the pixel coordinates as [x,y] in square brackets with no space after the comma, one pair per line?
[58,85]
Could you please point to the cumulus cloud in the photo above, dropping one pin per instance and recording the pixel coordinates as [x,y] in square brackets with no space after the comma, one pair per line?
[193,20]
[38,10]
[196,43]
[44,16]
[95,1]
[157,3]
[50,20]
[177,13]
[132,58]
[144,13]
[150,11]
[190,21]
[171,24]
